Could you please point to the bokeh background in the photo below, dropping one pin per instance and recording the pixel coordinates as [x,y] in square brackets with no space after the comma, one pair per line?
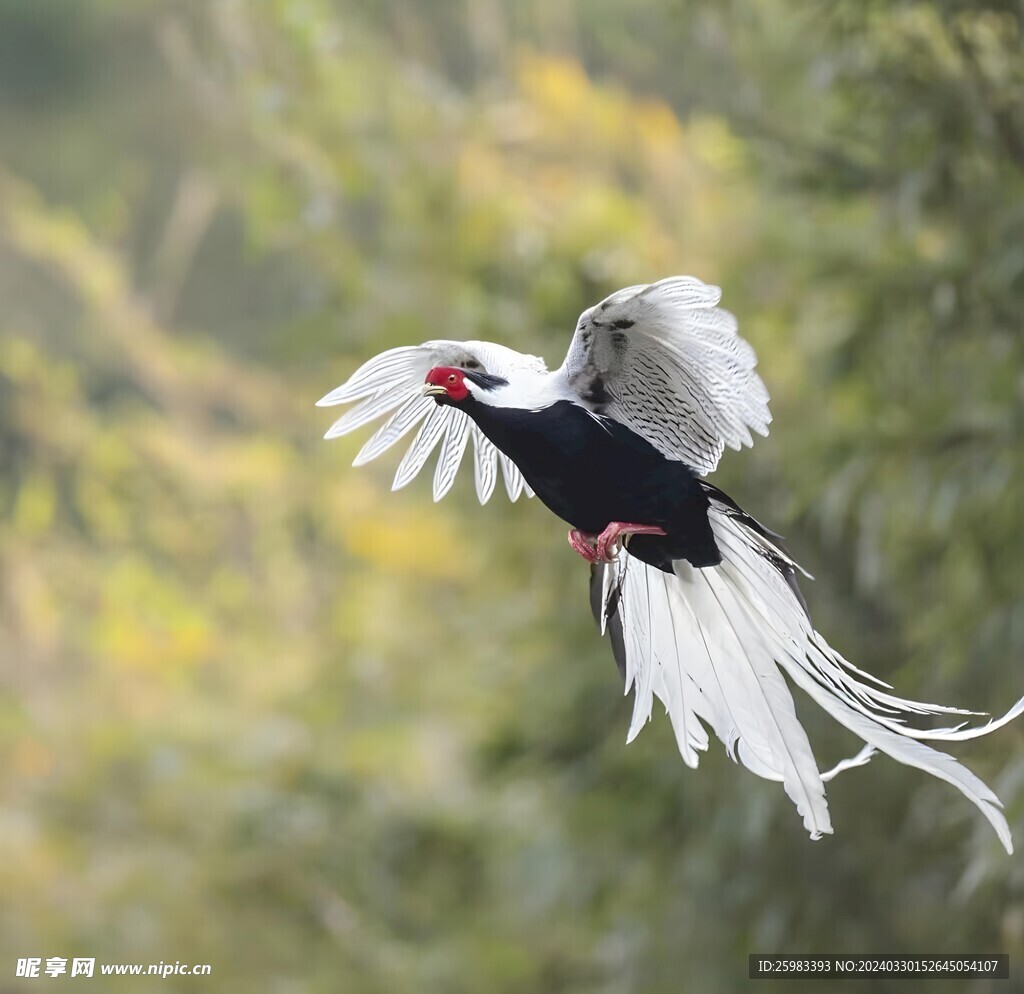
[256,710]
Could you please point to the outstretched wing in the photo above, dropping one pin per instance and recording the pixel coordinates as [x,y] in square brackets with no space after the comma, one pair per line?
[391,384]
[667,362]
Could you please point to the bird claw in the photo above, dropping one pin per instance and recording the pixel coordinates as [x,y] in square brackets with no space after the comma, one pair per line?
[605,548]
[585,543]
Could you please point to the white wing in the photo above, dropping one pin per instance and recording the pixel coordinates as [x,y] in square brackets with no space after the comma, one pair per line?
[391,384]
[668,363]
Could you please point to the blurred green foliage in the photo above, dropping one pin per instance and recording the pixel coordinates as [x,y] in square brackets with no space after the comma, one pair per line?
[256,711]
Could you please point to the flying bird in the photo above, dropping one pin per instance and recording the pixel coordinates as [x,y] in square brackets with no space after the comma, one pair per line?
[699,600]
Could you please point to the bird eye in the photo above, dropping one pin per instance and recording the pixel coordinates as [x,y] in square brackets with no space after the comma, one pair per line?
[452,378]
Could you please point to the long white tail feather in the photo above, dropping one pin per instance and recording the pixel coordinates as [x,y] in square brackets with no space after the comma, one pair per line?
[860,759]
[635,605]
[910,752]
[759,699]
[676,692]
[709,643]
[780,612]
[651,624]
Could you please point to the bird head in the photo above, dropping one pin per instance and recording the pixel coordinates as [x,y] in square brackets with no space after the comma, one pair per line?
[446,384]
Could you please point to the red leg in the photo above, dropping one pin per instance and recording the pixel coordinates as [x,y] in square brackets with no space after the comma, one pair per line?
[621,530]
[584,544]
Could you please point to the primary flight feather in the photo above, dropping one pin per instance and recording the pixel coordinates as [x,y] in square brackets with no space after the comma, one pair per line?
[699,600]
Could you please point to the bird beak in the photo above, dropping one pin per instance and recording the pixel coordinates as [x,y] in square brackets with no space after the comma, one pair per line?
[433,390]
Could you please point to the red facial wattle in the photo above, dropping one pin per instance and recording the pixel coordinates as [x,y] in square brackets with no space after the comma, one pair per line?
[451,379]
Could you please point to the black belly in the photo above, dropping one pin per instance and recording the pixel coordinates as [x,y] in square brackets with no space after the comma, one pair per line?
[591,472]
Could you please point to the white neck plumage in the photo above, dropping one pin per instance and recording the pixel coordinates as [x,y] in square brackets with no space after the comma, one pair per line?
[526,390]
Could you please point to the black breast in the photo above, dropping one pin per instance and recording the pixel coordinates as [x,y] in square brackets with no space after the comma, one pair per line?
[591,471]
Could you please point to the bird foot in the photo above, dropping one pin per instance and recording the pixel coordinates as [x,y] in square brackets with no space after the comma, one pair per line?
[585,543]
[605,547]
